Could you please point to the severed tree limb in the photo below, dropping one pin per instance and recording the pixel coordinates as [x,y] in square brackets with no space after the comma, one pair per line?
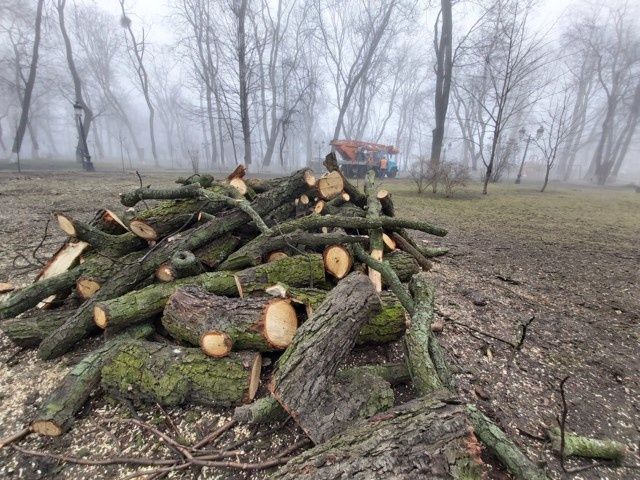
[355,196]
[407,247]
[29,329]
[130,199]
[115,244]
[581,446]
[375,235]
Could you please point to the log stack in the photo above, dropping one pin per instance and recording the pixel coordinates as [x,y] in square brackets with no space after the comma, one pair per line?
[297,268]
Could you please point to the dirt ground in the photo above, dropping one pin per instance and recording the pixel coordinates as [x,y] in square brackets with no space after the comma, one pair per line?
[566,262]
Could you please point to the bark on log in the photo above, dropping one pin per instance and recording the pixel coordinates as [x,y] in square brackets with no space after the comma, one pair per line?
[218,324]
[503,448]
[267,409]
[97,269]
[204,179]
[386,326]
[158,373]
[183,264]
[114,244]
[130,199]
[140,305]
[56,415]
[81,324]
[426,438]
[29,296]
[253,253]
[31,328]
[356,197]
[386,203]
[108,222]
[376,244]
[403,263]
[415,253]
[580,446]
[213,254]
[347,209]
[304,380]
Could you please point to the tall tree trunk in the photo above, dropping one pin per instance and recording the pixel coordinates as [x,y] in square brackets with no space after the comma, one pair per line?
[243,80]
[212,129]
[219,113]
[444,66]
[31,80]
[77,84]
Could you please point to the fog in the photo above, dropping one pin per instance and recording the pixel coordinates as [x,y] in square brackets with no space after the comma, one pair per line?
[504,89]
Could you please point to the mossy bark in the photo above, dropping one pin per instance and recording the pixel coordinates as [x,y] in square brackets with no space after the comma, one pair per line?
[31,328]
[304,381]
[140,305]
[113,244]
[192,312]
[128,278]
[504,449]
[254,252]
[213,254]
[267,409]
[580,446]
[403,263]
[426,438]
[168,375]
[56,415]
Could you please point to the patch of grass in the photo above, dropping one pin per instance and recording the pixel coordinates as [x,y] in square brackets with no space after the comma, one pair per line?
[562,214]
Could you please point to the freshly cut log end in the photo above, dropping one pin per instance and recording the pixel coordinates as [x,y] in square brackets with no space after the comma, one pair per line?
[319,207]
[143,230]
[275,256]
[374,275]
[100,317]
[304,199]
[110,217]
[337,261]
[65,258]
[345,196]
[254,379]
[87,287]
[309,178]
[216,344]
[164,273]
[330,185]
[280,323]
[239,184]
[389,242]
[6,287]
[66,224]
[47,427]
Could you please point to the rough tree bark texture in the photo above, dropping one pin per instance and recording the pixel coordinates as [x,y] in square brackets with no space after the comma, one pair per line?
[56,414]
[164,374]
[304,380]
[426,438]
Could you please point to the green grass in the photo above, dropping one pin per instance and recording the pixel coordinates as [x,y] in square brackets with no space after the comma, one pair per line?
[562,214]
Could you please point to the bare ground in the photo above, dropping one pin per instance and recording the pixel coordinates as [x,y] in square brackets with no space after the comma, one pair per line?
[569,259]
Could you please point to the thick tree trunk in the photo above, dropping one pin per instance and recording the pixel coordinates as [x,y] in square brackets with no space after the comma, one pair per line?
[403,263]
[304,380]
[427,438]
[31,328]
[156,373]
[56,414]
[219,324]
[215,253]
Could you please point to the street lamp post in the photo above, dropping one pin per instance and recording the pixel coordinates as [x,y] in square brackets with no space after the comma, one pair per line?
[525,135]
[86,158]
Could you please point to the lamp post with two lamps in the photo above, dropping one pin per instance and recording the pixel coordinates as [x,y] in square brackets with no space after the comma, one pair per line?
[526,135]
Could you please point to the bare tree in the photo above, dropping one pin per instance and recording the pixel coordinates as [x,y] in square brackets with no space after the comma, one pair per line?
[443,43]
[136,50]
[557,128]
[239,9]
[31,80]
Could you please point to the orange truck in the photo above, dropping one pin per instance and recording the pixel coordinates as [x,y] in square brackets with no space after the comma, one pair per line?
[358,157]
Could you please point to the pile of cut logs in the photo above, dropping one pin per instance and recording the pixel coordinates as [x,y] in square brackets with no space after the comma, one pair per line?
[192,285]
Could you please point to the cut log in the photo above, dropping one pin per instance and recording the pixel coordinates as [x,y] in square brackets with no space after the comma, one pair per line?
[31,328]
[56,414]
[213,254]
[504,449]
[114,244]
[82,323]
[386,204]
[304,379]
[356,197]
[97,269]
[140,305]
[389,243]
[205,180]
[267,409]
[337,260]
[239,185]
[426,438]
[413,251]
[375,234]
[417,339]
[163,374]
[255,251]
[239,172]
[217,324]
[319,207]
[275,256]
[386,326]
[403,263]
[63,260]
[580,446]
[330,185]
[6,287]
[130,199]
[347,209]
[111,223]
[182,264]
